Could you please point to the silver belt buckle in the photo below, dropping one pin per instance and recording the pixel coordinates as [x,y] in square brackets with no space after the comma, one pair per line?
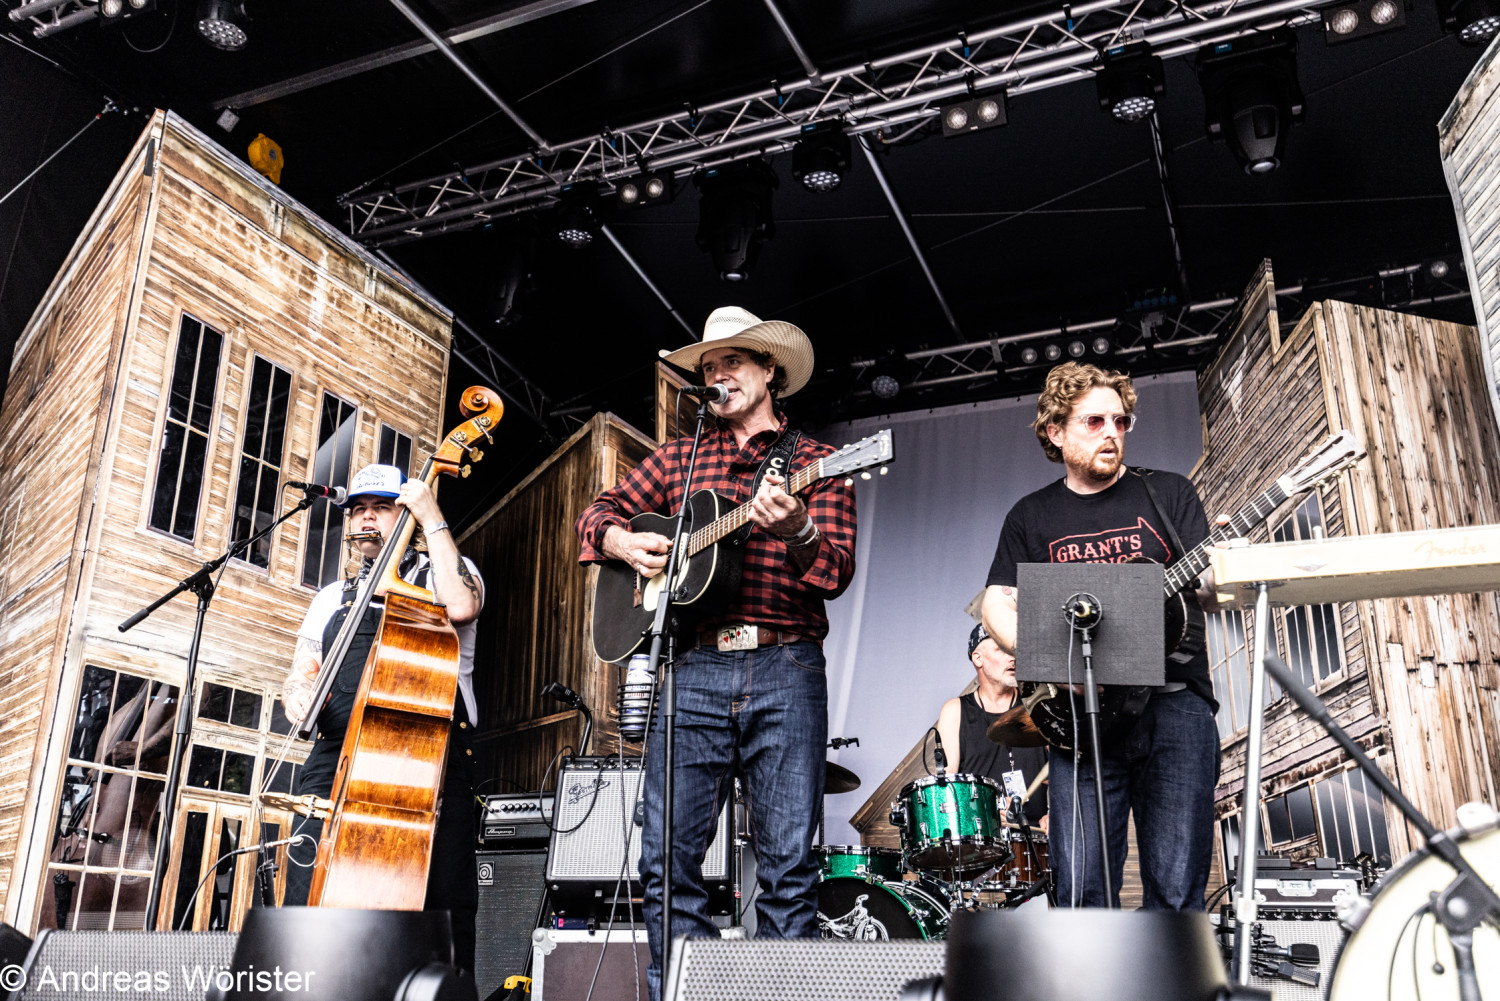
[741,636]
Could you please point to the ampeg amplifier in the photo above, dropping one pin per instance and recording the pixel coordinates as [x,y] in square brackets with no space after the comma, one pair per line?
[597,831]
[516,820]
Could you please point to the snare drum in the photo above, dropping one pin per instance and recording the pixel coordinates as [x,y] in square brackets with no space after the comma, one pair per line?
[859,910]
[951,824]
[1024,868]
[835,861]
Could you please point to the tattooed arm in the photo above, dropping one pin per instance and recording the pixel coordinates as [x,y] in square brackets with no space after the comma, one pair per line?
[452,581]
[297,688]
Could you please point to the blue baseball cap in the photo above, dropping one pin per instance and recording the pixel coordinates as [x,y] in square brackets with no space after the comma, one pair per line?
[376,480]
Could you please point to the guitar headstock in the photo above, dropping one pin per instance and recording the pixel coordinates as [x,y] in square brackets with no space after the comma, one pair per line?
[1324,463]
[876,450]
[483,408]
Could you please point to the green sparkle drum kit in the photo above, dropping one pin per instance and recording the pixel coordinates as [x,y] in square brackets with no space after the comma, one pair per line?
[957,853]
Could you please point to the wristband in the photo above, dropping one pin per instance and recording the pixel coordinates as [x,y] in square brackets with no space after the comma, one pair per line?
[801,537]
[800,543]
[441,526]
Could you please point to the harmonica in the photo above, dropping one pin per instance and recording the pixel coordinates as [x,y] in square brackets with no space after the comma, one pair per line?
[371,536]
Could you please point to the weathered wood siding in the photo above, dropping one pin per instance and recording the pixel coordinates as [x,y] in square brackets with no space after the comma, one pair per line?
[224,246]
[53,424]
[537,625]
[1469,142]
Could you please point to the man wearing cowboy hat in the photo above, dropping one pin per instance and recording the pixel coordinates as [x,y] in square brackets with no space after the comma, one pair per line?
[377,495]
[751,693]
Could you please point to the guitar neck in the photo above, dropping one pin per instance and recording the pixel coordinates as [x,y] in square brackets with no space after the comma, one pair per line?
[732,522]
[1181,574]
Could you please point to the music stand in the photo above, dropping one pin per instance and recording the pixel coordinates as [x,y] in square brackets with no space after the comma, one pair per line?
[1063,610]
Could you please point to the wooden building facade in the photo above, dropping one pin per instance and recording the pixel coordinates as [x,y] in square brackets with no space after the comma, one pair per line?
[206,340]
[1413,680]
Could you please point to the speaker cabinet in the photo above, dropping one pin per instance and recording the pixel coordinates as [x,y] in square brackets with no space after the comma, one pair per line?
[164,965]
[798,970]
[563,965]
[594,809]
[511,885]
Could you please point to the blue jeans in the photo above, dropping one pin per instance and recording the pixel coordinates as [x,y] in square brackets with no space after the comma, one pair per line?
[762,714]
[1164,771]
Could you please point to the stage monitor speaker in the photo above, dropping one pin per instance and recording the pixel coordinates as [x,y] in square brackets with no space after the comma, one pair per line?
[564,963]
[1321,930]
[592,813]
[798,969]
[94,965]
[13,947]
[511,884]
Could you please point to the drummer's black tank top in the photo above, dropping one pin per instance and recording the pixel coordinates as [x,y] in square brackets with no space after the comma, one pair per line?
[978,755]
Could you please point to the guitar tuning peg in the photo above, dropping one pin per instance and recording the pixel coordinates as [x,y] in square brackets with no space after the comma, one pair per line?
[884,470]
[475,454]
[848,481]
[466,470]
[865,475]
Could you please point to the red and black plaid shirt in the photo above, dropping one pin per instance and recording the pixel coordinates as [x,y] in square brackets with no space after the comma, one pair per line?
[772,593]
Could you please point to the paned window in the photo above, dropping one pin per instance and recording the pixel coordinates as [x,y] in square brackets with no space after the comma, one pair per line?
[1351,817]
[109,819]
[185,431]
[323,558]
[1310,633]
[395,449]
[261,452]
[1229,648]
[1289,816]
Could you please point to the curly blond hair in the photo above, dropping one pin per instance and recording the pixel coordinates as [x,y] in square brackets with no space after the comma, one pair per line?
[1064,386]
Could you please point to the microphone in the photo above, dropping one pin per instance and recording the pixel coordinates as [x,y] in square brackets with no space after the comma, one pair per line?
[713,394]
[336,494]
[938,757]
[1082,610]
[563,694]
[1300,953]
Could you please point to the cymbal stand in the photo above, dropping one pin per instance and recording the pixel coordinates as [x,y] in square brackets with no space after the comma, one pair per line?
[1244,900]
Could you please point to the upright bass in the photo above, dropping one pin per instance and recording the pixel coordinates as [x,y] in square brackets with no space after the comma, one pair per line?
[376,846]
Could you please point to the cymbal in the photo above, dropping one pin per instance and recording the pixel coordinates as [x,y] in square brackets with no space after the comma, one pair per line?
[1014,728]
[840,779]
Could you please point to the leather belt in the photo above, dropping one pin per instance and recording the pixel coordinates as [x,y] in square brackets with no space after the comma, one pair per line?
[764,636]
[1170,687]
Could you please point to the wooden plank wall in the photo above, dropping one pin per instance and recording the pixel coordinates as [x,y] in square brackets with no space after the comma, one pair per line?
[537,625]
[231,250]
[1264,406]
[54,417]
[1469,143]
[1413,391]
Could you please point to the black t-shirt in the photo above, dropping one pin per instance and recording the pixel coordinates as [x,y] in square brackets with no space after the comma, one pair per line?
[978,755]
[1056,525]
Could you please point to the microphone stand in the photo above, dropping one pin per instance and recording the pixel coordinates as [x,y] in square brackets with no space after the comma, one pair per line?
[1468,901]
[661,636]
[201,583]
[1085,626]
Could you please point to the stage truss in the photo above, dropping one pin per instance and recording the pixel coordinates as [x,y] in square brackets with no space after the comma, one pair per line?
[886,96]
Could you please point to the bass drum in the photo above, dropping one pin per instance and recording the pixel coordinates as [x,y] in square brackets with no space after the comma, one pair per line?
[1391,955]
[859,910]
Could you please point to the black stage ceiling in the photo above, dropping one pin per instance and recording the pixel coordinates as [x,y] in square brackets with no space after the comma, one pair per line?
[1055,219]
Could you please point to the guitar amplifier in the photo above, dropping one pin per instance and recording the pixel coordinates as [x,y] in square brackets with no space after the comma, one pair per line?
[516,820]
[597,833]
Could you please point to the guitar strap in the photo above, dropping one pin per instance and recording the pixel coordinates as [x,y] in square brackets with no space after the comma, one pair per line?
[778,460]
[1195,638]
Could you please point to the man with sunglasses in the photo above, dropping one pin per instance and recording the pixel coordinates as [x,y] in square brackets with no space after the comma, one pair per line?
[1163,764]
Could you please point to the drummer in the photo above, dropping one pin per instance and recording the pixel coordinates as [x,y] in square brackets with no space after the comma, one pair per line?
[964,721]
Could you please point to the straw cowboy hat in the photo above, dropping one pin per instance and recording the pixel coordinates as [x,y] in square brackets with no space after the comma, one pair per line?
[732,327]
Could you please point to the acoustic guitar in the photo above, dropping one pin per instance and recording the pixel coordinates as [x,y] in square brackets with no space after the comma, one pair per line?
[708,575]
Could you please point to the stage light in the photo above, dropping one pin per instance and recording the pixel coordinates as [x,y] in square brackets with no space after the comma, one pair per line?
[1029,355]
[820,159]
[116,11]
[888,375]
[1348,21]
[576,217]
[1473,21]
[1101,345]
[1052,352]
[221,23]
[648,188]
[970,116]
[1077,349]
[734,215]
[1129,82]
[1251,96]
